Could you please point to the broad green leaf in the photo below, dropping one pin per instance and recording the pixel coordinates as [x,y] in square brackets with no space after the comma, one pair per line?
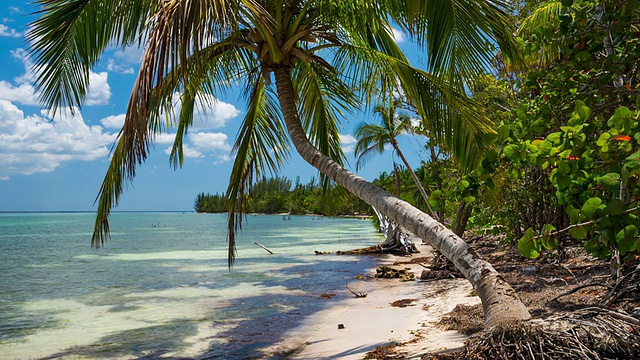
[436,194]
[539,126]
[504,131]
[469,199]
[560,180]
[544,147]
[617,120]
[564,168]
[528,246]
[574,214]
[633,160]
[609,181]
[590,207]
[615,207]
[604,137]
[583,110]
[578,232]
[549,242]
[522,112]
[626,239]
[512,152]
[554,138]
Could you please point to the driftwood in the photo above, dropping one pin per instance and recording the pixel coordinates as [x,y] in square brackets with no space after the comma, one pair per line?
[397,241]
[358,295]
[264,247]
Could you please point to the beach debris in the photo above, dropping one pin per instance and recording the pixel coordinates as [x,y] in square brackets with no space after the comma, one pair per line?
[403,302]
[323,252]
[340,326]
[358,295]
[327,295]
[264,247]
[387,272]
[436,275]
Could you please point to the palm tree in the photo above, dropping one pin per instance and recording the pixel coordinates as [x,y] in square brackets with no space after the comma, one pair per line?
[373,139]
[317,51]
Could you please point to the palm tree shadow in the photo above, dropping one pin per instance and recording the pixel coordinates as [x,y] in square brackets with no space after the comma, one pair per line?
[252,323]
[276,315]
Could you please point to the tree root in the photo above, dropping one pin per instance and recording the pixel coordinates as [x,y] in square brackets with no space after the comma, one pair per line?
[591,333]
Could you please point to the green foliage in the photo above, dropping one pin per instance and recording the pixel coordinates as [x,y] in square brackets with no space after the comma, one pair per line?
[276,195]
[209,203]
[577,123]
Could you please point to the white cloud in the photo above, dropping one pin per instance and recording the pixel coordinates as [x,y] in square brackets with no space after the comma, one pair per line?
[99,91]
[119,68]
[210,141]
[165,138]
[130,55]
[398,35]
[8,32]
[348,143]
[113,121]
[23,92]
[33,144]
[210,113]
[123,60]
[222,159]
[188,152]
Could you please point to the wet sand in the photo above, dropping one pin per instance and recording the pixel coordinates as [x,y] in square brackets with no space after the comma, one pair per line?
[372,321]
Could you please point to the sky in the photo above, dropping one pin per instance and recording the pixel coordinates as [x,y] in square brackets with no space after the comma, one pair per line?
[58,164]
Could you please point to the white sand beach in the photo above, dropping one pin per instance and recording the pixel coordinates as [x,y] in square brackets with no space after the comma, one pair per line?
[372,321]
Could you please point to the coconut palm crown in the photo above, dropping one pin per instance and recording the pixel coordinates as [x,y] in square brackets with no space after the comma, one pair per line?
[302,65]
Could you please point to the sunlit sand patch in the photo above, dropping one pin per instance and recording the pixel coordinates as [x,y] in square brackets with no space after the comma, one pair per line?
[168,255]
[83,325]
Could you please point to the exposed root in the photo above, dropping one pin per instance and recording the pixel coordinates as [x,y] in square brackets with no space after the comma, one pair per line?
[584,334]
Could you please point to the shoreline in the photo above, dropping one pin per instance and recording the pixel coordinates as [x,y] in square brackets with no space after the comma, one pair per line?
[371,322]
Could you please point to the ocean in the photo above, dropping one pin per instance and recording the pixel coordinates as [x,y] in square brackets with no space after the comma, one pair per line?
[161,288]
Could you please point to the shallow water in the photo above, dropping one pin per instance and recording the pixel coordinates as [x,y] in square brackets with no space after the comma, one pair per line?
[160,288]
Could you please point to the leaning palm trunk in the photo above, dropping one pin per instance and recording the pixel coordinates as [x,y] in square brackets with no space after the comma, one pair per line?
[500,303]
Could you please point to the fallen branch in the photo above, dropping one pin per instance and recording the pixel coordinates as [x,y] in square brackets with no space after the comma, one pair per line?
[264,247]
[587,223]
[358,295]
[576,289]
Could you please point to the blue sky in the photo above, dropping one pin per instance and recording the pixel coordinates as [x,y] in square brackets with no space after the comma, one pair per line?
[59,165]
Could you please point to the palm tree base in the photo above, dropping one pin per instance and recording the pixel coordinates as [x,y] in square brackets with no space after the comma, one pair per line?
[591,333]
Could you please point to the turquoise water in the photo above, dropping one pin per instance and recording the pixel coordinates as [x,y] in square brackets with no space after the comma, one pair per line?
[160,288]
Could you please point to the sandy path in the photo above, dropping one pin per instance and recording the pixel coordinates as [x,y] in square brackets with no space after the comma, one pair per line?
[371,322]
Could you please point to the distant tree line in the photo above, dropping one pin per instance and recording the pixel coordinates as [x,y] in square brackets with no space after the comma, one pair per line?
[279,194]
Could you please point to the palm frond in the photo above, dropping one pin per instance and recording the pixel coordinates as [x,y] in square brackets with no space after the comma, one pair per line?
[69,37]
[323,99]
[459,35]
[200,79]
[546,16]
[453,119]
[208,73]
[261,146]
[371,140]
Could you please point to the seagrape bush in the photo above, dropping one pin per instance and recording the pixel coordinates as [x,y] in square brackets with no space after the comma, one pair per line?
[596,172]
[577,121]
